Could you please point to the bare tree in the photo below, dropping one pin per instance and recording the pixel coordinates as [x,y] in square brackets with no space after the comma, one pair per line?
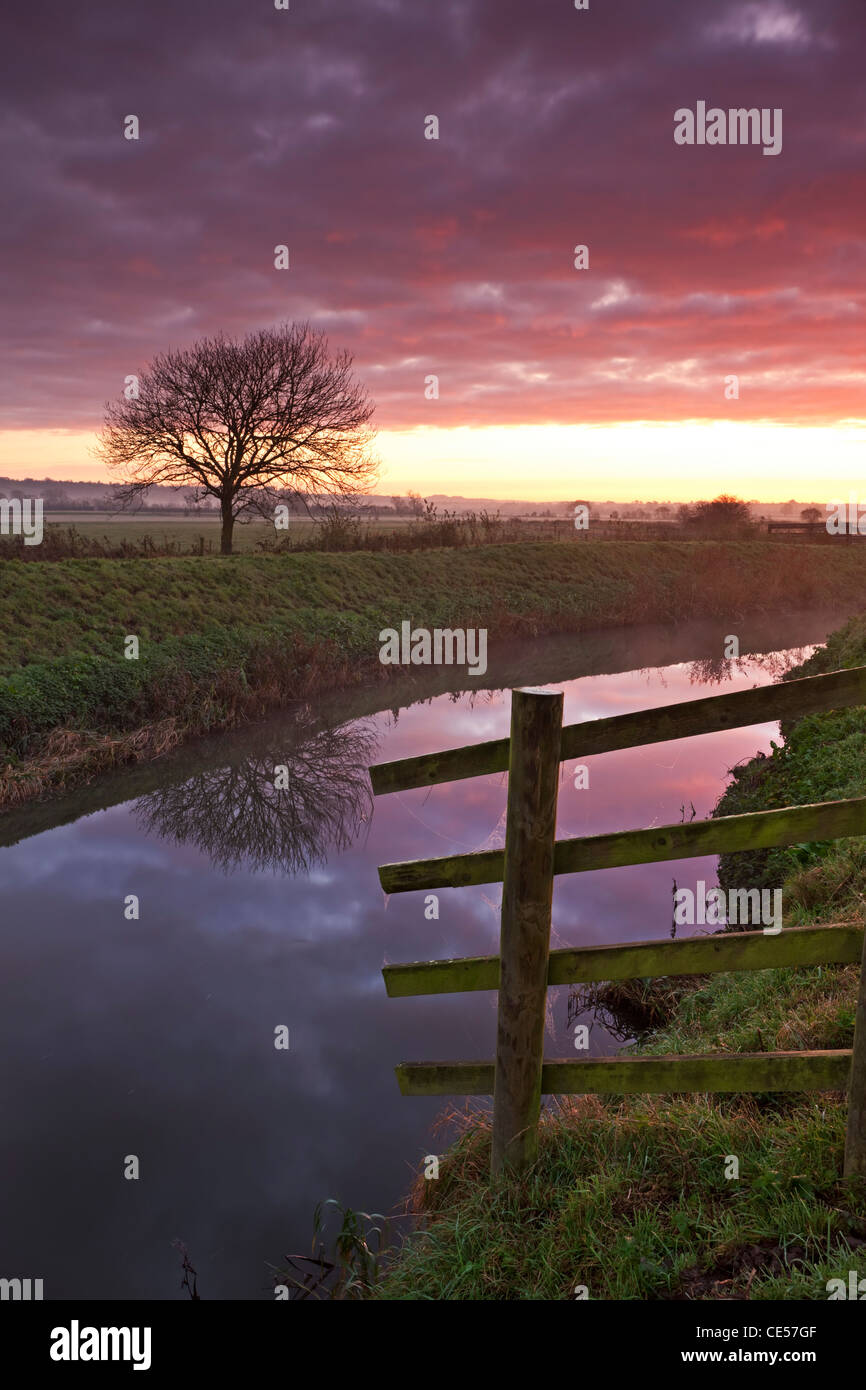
[245,422]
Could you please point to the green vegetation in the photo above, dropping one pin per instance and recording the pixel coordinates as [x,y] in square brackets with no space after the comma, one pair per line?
[629,1195]
[128,537]
[224,640]
[630,1200]
[82,608]
[724,516]
[822,758]
[139,534]
[358,1247]
[151,532]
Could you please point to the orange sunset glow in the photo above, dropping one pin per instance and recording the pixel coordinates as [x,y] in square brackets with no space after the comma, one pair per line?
[544,292]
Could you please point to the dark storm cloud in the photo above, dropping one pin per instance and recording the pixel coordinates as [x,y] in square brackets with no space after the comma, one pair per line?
[305,127]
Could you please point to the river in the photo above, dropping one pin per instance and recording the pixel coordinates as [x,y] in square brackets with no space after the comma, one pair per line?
[154,1036]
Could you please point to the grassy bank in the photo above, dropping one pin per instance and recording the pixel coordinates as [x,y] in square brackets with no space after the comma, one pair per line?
[629,1196]
[822,758]
[225,640]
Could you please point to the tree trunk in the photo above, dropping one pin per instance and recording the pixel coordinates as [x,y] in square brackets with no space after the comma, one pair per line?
[228,527]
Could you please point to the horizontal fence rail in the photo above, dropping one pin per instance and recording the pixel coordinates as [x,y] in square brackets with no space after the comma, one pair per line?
[692,955]
[788,699]
[826,820]
[525,966]
[736,1071]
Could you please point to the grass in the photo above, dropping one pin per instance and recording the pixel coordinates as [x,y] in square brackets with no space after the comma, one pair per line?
[186,533]
[121,535]
[222,640]
[822,758]
[630,1201]
[85,607]
[631,1197]
[115,535]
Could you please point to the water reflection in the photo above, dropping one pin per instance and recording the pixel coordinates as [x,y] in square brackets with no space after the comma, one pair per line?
[233,812]
[715,670]
[261,908]
[237,815]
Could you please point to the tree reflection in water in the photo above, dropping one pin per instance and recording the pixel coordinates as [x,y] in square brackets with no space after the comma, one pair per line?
[715,670]
[235,814]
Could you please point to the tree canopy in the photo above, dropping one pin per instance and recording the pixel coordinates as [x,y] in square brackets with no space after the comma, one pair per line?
[245,422]
[724,515]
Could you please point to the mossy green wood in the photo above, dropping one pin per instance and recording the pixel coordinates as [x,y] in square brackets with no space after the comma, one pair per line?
[827,820]
[786,700]
[696,955]
[715,1074]
[524,944]
[855,1135]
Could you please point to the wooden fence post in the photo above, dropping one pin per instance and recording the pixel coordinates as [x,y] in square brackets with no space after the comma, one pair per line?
[855,1136]
[527,894]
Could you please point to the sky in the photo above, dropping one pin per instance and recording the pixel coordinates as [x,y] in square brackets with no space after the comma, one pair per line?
[454,257]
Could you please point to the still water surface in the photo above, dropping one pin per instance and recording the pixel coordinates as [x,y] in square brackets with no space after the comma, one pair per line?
[155,1037]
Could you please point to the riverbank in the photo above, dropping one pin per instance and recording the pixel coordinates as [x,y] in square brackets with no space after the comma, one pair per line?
[225,641]
[629,1198]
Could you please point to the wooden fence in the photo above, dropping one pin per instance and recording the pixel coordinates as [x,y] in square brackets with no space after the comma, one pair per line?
[812,531]
[525,965]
